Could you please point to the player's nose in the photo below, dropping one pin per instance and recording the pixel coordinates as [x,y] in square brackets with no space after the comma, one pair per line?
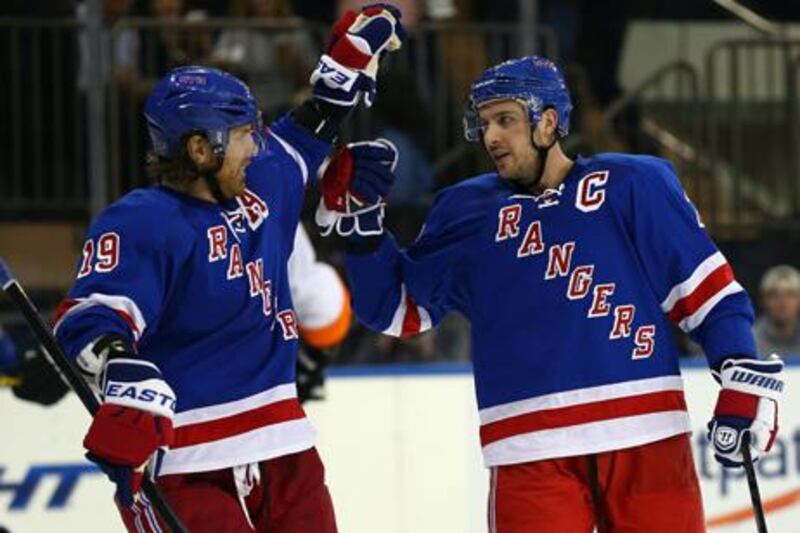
[491,137]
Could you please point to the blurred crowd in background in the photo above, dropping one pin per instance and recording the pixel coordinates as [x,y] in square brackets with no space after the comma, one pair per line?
[273,45]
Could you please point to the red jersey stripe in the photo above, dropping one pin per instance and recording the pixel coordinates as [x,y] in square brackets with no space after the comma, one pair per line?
[230,426]
[411,321]
[64,307]
[717,280]
[574,415]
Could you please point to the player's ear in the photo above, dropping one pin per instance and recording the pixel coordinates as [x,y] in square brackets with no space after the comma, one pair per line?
[199,150]
[550,117]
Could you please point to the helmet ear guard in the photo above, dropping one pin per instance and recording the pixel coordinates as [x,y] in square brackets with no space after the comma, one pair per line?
[473,129]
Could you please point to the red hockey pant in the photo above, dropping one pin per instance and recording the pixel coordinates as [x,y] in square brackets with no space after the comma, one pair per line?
[291,498]
[651,488]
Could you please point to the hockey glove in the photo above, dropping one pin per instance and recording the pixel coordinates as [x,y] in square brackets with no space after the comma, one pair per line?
[747,403]
[134,421]
[348,69]
[311,365]
[40,380]
[354,186]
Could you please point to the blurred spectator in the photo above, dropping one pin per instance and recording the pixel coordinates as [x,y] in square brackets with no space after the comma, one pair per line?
[401,117]
[778,329]
[168,45]
[119,53]
[463,51]
[274,62]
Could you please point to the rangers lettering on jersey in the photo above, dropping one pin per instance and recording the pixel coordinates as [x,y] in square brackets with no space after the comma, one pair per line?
[570,304]
[190,283]
[590,198]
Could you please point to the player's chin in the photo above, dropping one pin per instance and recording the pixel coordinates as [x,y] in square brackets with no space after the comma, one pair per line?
[507,174]
[236,188]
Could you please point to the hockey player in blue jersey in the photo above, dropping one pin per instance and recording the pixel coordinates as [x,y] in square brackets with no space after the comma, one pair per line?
[570,272]
[181,313]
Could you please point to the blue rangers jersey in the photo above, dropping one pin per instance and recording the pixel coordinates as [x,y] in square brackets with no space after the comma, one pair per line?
[201,290]
[570,295]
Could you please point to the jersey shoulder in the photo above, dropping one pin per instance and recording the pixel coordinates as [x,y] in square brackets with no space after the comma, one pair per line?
[471,192]
[637,175]
[633,168]
[152,215]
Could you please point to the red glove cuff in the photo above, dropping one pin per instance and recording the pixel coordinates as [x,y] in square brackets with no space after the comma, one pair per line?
[336,180]
[126,436]
[341,26]
[736,403]
[345,53]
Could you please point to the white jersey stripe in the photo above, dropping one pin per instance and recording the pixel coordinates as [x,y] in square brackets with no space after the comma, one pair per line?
[688,286]
[580,396]
[295,155]
[424,319]
[396,327]
[596,437]
[260,444]
[696,318]
[223,410]
[117,303]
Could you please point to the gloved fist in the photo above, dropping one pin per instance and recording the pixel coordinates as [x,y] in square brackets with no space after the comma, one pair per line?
[311,365]
[747,404]
[134,421]
[40,381]
[348,69]
[354,186]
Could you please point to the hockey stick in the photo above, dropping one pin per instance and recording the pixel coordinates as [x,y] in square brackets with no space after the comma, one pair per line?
[752,484]
[67,368]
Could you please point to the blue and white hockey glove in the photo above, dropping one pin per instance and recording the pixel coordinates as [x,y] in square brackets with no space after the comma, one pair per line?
[133,423]
[355,183]
[747,403]
[348,70]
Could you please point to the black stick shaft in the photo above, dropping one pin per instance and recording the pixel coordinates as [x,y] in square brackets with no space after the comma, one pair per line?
[81,388]
[752,484]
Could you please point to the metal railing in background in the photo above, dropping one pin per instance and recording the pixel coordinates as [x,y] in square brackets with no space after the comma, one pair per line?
[733,132]
[750,109]
[46,139]
[666,108]
[43,137]
[752,19]
[436,67]
[734,141]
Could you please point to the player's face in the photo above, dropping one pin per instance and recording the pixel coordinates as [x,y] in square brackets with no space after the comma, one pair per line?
[241,149]
[507,138]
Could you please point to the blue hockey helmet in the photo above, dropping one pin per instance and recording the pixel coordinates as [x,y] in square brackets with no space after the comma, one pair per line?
[200,100]
[533,81]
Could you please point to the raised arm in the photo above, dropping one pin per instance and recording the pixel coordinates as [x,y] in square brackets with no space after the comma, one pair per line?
[396,292]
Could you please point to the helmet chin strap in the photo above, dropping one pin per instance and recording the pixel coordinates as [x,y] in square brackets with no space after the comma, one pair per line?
[210,177]
[542,152]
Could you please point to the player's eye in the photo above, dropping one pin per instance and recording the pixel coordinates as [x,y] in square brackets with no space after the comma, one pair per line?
[506,121]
